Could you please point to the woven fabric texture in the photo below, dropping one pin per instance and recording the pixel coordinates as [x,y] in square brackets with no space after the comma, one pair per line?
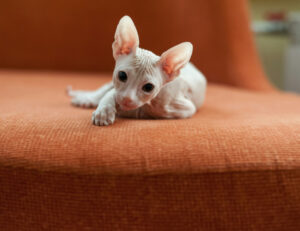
[235,165]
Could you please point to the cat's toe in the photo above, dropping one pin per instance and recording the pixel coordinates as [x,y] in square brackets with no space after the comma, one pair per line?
[104,116]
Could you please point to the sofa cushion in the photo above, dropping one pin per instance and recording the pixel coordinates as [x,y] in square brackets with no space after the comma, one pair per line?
[235,164]
[236,130]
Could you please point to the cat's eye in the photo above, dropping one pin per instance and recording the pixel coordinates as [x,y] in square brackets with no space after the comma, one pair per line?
[148,87]
[122,76]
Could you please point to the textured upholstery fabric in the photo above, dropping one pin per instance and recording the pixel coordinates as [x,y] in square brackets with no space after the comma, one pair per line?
[77,35]
[235,165]
[254,200]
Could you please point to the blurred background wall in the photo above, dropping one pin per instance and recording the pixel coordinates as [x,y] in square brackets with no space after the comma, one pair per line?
[274,42]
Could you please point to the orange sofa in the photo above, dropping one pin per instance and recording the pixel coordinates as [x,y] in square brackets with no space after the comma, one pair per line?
[235,165]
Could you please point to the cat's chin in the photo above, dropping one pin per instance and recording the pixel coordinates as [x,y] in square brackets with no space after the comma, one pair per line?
[126,108]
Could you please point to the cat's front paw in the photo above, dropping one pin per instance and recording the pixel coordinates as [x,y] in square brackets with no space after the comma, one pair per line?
[104,116]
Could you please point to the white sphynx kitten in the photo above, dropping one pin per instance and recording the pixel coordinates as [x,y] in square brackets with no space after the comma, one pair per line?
[145,85]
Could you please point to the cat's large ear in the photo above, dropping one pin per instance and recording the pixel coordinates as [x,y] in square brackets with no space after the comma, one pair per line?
[126,38]
[174,59]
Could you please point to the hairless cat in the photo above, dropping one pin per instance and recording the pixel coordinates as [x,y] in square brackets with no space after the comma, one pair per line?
[145,85]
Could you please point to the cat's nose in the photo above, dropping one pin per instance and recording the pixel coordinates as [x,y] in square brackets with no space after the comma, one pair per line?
[127,101]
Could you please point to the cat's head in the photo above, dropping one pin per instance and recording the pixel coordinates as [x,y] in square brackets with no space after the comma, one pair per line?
[139,74]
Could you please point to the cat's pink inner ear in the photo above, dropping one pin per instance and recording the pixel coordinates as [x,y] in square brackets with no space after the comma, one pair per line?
[126,38]
[175,58]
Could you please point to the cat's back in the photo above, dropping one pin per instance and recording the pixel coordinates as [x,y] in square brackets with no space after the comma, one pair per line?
[191,83]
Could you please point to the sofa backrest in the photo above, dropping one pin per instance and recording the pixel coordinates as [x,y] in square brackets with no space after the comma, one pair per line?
[77,35]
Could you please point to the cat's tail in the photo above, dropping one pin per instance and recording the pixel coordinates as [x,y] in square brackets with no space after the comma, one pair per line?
[69,90]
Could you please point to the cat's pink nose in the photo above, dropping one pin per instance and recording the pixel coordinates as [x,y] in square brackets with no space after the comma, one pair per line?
[127,102]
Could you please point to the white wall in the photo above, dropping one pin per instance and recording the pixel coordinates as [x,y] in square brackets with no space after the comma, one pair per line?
[272,48]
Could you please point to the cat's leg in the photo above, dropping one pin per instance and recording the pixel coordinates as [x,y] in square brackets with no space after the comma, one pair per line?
[88,98]
[179,109]
[105,113]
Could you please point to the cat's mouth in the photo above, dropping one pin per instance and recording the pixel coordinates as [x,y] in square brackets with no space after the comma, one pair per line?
[126,107]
